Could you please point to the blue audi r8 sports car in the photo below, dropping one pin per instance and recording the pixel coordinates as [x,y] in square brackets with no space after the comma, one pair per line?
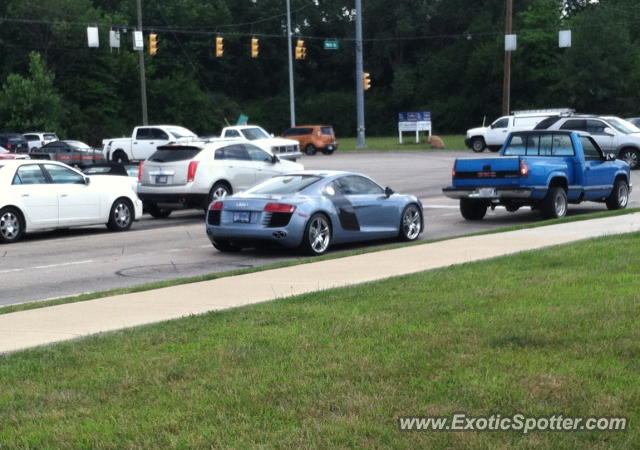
[312,210]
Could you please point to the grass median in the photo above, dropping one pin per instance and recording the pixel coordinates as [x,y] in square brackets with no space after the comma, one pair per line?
[552,331]
[452,142]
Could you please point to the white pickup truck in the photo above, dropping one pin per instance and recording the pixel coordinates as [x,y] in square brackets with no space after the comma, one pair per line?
[283,148]
[143,142]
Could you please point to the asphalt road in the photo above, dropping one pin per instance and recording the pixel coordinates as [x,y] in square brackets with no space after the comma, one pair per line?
[68,262]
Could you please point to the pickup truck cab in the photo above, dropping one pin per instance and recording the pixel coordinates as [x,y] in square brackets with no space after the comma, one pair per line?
[543,169]
[143,142]
[280,147]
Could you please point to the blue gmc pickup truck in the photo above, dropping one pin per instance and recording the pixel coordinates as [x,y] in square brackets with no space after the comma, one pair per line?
[545,170]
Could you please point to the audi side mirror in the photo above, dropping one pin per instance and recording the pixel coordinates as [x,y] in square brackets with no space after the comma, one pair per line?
[388,192]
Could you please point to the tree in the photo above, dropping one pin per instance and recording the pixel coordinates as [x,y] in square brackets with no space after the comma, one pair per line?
[31,103]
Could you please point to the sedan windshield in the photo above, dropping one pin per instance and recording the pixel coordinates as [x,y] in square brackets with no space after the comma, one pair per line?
[255,133]
[623,126]
[289,184]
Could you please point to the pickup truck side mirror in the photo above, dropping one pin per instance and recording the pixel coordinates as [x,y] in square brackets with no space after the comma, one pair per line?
[87,180]
[610,157]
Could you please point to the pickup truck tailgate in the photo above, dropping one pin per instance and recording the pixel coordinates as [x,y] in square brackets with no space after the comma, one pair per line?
[503,171]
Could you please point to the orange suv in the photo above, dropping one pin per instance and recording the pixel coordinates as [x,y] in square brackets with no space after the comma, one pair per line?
[313,138]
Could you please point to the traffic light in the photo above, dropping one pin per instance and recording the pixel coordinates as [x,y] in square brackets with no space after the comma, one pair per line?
[219,46]
[301,50]
[255,47]
[366,81]
[153,43]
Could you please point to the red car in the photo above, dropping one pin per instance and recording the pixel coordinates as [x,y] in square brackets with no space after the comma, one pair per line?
[6,154]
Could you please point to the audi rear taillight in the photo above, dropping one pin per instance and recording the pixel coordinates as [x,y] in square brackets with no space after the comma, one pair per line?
[193,168]
[279,207]
[140,167]
[216,206]
[524,169]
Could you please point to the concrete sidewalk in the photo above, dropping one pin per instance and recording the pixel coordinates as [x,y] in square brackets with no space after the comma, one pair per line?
[25,329]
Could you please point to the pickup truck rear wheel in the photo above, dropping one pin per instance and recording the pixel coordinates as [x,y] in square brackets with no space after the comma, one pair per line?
[554,205]
[619,196]
[477,144]
[630,156]
[473,209]
[120,157]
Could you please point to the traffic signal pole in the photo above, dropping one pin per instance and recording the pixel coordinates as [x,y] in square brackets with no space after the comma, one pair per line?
[359,77]
[292,101]
[143,81]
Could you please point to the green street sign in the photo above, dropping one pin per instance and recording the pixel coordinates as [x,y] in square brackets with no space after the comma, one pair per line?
[331,45]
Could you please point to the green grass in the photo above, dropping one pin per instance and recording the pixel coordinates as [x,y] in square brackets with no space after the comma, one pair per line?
[543,332]
[343,254]
[452,142]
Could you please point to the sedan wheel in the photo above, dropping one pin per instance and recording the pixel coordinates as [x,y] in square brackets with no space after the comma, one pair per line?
[121,216]
[317,236]
[411,223]
[11,227]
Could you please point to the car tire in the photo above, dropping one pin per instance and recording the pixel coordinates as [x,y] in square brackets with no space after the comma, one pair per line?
[220,189]
[554,204]
[12,225]
[310,149]
[121,215]
[225,246]
[120,157]
[630,156]
[477,144]
[157,212]
[619,197]
[317,235]
[473,209]
[410,223]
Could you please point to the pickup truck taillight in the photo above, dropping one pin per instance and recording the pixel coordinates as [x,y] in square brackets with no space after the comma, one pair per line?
[191,173]
[524,169]
[140,167]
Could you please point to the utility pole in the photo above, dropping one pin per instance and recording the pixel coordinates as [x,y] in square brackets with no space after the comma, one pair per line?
[359,81]
[143,82]
[292,100]
[506,83]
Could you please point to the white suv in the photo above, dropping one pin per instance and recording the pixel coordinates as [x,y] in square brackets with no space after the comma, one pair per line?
[37,139]
[192,175]
[493,136]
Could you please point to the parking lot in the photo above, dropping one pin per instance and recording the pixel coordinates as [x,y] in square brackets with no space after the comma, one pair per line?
[68,262]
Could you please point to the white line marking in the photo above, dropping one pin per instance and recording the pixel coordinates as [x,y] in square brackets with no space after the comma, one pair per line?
[11,270]
[175,250]
[64,264]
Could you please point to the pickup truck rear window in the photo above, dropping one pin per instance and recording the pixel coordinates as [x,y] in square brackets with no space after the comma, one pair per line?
[540,145]
[182,153]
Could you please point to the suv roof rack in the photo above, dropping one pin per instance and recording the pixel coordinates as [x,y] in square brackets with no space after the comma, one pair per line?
[551,110]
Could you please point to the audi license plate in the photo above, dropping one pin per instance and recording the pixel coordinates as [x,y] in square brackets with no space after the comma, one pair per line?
[161,179]
[242,217]
[485,193]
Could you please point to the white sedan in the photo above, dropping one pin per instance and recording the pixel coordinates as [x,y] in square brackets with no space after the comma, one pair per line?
[38,195]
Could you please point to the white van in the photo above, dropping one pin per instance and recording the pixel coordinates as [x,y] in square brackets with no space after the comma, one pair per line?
[493,136]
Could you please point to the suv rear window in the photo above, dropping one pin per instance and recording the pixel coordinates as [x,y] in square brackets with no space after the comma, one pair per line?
[297,131]
[327,130]
[175,153]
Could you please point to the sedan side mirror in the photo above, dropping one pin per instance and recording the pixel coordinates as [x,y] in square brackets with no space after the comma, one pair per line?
[274,159]
[87,180]
[388,192]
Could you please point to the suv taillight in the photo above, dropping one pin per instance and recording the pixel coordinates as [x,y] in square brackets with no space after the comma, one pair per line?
[193,168]
[140,167]
[279,207]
